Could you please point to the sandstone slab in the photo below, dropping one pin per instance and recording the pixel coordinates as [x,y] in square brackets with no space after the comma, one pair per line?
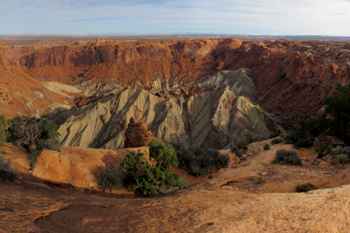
[77,166]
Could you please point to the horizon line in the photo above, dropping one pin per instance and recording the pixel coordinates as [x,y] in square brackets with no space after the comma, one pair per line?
[121,35]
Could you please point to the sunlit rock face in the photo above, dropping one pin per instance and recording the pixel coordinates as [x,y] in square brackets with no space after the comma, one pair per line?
[216,112]
[290,76]
[78,166]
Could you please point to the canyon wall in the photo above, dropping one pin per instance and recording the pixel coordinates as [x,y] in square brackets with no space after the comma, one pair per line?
[21,94]
[289,76]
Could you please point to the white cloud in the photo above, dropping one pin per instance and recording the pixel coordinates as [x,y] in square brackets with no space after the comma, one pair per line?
[178,16]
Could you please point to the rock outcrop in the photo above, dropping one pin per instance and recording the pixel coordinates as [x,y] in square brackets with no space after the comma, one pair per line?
[137,134]
[77,166]
[220,113]
[70,166]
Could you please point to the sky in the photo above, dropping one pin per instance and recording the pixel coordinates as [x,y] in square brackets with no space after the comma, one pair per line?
[146,17]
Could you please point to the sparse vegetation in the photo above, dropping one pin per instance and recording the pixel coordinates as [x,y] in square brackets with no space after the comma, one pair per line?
[267,147]
[282,75]
[300,138]
[109,177]
[133,166]
[338,107]
[164,154]
[33,135]
[304,188]
[202,162]
[305,129]
[341,159]
[323,150]
[146,179]
[6,174]
[287,157]
[156,181]
[336,121]
[276,141]
[335,153]
[303,134]
[4,124]
[143,177]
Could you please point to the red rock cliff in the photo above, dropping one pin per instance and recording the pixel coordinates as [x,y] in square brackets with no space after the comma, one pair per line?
[290,76]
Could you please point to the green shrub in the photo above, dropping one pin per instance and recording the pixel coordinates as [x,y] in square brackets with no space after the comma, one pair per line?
[305,130]
[157,181]
[173,180]
[267,147]
[4,124]
[323,150]
[144,178]
[147,180]
[282,75]
[133,166]
[335,121]
[109,177]
[276,141]
[164,154]
[287,157]
[33,135]
[337,150]
[222,161]
[147,185]
[201,162]
[338,106]
[341,159]
[304,188]
[6,174]
[300,137]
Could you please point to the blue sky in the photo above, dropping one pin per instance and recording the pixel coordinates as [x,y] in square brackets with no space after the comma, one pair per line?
[133,17]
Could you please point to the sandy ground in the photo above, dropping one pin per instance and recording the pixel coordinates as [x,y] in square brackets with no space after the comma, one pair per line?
[253,198]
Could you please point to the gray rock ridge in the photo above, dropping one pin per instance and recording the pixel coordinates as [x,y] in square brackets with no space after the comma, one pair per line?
[217,112]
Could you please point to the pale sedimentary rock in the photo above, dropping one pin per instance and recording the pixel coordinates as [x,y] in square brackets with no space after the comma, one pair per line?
[216,112]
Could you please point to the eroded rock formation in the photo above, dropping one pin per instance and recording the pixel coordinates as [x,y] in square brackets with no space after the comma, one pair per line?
[221,112]
[289,76]
[195,93]
[173,83]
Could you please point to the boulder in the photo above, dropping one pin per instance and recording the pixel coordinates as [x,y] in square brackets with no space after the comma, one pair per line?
[77,166]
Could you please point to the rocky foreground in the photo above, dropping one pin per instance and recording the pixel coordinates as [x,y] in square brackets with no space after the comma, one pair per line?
[232,202]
